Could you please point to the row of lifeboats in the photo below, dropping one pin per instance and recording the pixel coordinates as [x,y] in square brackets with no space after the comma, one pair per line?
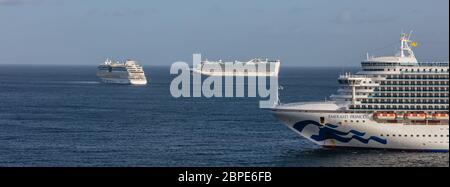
[411,116]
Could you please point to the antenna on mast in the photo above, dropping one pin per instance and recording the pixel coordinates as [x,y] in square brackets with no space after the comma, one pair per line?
[405,47]
[402,43]
[410,33]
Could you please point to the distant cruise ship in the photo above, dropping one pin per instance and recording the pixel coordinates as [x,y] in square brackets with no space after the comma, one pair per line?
[392,103]
[121,73]
[261,68]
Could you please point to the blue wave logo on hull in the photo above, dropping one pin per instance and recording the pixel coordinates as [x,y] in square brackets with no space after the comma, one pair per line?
[328,131]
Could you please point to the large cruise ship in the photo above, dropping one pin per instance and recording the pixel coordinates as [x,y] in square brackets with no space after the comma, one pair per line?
[254,67]
[128,72]
[394,102]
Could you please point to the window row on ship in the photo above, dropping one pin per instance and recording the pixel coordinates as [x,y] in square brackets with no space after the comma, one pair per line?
[412,70]
[119,69]
[412,83]
[412,95]
[414,89]
[401,90]
[419,77]
[399,95]
[417,136]
[442,82]
[418,85]
[366,64]
[442,94]
[420,64]
[408,101]
[400,107]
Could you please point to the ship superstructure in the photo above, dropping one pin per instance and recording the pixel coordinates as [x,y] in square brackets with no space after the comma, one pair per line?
[254,67]
[394,102]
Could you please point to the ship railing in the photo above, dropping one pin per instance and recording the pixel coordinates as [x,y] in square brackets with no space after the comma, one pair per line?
[418,85]
[352,76]
[417,79]
[302,103]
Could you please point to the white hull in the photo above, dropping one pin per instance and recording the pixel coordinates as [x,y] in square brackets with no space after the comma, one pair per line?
[361,131]
[123,81]
[393,102]
[238,74]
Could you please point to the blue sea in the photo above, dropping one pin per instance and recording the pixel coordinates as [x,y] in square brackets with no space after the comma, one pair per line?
[63,116]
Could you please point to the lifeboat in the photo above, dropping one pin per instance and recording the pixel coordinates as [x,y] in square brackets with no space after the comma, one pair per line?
[385,116]
[411,116]
[440,116]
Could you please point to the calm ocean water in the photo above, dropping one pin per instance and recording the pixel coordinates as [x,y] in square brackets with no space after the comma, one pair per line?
[62,116]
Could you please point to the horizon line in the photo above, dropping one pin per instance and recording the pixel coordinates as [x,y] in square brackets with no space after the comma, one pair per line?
[160,65]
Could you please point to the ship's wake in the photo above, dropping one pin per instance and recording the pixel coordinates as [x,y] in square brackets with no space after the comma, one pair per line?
[83,82]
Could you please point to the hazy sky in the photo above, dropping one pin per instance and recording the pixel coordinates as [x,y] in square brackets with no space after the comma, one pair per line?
[160,32]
